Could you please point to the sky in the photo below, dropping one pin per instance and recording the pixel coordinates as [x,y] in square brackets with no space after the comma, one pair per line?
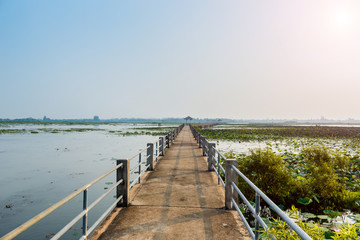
[238,59]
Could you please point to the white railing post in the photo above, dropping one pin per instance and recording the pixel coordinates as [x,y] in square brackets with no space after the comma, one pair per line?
[85,217]
[167,141]
[156,150]
[257,211]
[161,146]
[150,156]
[204,143]
[211,155]
[230,176]
[123,188]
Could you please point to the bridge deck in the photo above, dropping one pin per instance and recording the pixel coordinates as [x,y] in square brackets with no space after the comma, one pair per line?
[180,199]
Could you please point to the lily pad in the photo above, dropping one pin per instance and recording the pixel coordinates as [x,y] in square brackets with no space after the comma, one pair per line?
[304,201]
[331,213]
[325,229]
[308,215]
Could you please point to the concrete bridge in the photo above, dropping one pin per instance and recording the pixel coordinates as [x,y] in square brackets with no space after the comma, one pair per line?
[179,199]
[186,191]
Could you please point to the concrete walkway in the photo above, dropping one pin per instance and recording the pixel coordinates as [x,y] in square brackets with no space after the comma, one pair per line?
[180,199]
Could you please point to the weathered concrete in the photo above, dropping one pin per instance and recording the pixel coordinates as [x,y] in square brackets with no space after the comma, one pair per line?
[180,199]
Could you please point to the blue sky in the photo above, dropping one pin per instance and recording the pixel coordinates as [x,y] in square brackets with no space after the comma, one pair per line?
[233,59]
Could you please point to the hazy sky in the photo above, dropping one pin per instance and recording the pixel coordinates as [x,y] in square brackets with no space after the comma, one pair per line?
[233,59]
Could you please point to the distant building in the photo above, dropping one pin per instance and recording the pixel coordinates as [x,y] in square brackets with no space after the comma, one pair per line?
[96,118]
[46,119]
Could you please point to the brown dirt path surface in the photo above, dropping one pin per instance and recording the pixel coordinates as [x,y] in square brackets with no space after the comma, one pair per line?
[180,199]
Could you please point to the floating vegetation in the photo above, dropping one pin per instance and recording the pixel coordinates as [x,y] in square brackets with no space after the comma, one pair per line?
[167,129]
[136,133]
[156,131]
[50,235]
[12,131]
[281,132]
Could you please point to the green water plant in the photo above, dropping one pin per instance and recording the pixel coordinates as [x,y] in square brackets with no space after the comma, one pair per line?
[281,231]
[324,181]
[267,170]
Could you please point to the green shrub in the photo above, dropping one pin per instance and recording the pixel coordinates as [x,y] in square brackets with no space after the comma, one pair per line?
[323,182]
[319,185]
[341,162]
[268,172]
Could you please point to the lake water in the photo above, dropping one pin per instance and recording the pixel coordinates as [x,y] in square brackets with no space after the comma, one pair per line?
[38,170]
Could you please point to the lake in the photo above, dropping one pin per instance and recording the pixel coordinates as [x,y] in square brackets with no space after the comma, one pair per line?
[42,164]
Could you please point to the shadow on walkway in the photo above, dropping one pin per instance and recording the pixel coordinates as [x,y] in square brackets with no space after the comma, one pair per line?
[179,200]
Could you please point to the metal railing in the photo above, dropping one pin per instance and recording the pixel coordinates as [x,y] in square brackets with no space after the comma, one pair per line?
[122,186]
[231,174]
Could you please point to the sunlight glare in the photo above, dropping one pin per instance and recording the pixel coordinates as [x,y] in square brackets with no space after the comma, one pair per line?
[343,19]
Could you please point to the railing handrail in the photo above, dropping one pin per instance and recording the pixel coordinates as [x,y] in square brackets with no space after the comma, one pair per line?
[221,155]
[54,207]
[17,231]
[281,213]
[287,219]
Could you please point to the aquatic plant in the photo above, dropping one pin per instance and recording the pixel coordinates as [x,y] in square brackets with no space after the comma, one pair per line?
[267,170]
[311,180]
[278,229]
[282,132]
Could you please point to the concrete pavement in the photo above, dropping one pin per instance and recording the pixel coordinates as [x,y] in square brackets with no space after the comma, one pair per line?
[180,199]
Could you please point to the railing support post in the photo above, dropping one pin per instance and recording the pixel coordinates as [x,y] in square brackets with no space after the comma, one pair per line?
[167,141]
[85,206]
[150,154]
[139,168]
[123,188]
[257,211]
[161,146]
[230,176]
[156,150]
[200,141]
[218,168]
[204,142]
[211,155]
